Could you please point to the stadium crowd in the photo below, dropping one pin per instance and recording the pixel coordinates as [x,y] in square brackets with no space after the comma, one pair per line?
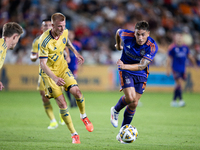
[96,21]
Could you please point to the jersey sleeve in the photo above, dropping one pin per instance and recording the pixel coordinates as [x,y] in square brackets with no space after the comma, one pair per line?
[151,50]
[35,46]
[43,50]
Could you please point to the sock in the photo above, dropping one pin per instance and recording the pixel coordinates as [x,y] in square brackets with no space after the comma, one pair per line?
[49,110]
[180,93]
[120,104]
[53,120]
[83,115]
[128,116]
[67,119]
[176,93]
[81,104]
[75,133]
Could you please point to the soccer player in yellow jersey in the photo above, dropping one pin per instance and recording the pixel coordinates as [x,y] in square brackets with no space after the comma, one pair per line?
[10,37]
[46,24]
[55,72]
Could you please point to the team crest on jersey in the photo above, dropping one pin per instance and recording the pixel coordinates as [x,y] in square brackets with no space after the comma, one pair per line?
[127,80]
[64,40]
[142,52]
[50,89]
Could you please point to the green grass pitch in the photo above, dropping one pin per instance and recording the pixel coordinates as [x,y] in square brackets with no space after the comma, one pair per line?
[23,123]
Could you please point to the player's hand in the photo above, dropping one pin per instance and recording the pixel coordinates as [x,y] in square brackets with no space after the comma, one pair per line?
[1,86]
[59,81]
[118,47]
[80,59]
[68,59]
[120,64]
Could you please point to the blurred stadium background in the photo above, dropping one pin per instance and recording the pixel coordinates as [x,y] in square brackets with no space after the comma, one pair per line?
[95,23]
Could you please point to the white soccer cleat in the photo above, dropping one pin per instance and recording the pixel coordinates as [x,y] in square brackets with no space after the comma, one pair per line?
[118,138]
[53,125]
[174,104]
[114,117]
[181,103]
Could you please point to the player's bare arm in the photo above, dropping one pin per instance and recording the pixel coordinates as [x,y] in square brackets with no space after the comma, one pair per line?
[71,47]
[118,41]
[134,67]
[191,58]
[67,55]
[45,68]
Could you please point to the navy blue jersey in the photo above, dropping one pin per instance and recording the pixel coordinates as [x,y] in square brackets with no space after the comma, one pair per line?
[73,65]
[133,53]
[179,56]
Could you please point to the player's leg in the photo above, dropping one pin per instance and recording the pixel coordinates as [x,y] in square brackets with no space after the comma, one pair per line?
[47,105]
[67,118]
[177,92]
[49,111]
[130,110]
[80,100]
[72,100]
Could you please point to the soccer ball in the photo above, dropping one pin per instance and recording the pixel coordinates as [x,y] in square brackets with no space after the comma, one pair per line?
[128,133]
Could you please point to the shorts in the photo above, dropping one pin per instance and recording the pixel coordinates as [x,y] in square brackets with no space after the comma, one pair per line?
[52,89]
[40,86]
[128,80]
[178,75]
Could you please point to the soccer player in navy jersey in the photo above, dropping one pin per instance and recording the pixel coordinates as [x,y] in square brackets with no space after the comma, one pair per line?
[138,51]
[177,55]
[73,64]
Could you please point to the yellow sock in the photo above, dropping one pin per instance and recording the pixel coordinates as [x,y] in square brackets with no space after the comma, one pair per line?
[49,110]
[67,119]
[81,104]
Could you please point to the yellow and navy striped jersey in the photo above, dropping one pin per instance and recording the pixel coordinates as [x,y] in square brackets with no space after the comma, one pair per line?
[52,49]
[35,46]
[3,50]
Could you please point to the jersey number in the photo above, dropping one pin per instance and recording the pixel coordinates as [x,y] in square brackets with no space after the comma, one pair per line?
[55,57]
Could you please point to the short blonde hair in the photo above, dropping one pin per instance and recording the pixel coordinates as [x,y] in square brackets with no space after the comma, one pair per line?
[57,16]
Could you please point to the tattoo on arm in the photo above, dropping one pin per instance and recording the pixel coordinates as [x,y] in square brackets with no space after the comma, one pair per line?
[143,64]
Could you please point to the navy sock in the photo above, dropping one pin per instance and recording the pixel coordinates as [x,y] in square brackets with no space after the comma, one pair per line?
[120,104]
[128,116]
[176,93]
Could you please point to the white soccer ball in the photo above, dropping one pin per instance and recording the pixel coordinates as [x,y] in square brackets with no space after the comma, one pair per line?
[128,133]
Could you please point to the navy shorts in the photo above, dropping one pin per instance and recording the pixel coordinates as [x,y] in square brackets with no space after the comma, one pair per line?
[128,80]
[178,75]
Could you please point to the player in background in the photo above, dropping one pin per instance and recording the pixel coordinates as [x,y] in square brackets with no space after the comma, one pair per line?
[176,62]
[56,74]
[138,51]
[73,64]
[46,24]
[10,37]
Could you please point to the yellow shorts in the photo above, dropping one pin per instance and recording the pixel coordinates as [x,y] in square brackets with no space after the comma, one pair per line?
[52,90]
[40,86]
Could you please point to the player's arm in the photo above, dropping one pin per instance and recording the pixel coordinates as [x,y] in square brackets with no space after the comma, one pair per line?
[45,68]
[191,58]
[71,47]
[168,65]
[134,67]
[118,41]
[67,55]
[1,86]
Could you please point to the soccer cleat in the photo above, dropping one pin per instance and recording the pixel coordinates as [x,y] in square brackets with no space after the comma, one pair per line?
[53,125]
[88,124]
[181,103]
[75,139]
[174,104]
[119,139]
[61,121]
[114,117]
